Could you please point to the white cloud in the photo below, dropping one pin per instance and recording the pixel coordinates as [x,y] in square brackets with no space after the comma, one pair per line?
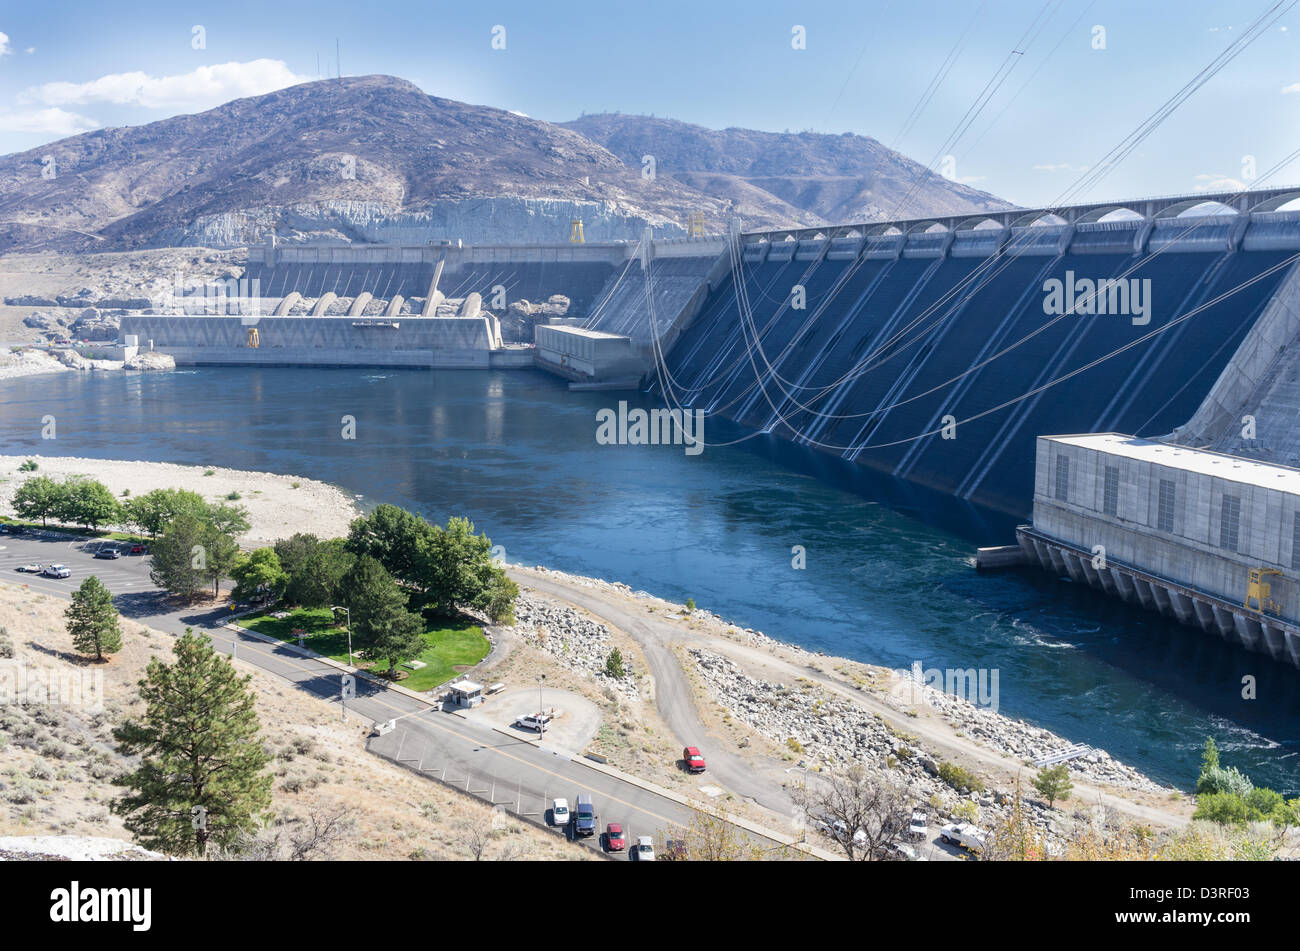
[30,49]
[1287,90]
[1061,167]
[203,88]
[1218,183]
[55,122]
[4,44]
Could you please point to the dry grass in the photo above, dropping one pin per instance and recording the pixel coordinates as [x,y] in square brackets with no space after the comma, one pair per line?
[56,762]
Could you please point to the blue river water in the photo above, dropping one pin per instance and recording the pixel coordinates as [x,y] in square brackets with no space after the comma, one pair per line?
[888,576]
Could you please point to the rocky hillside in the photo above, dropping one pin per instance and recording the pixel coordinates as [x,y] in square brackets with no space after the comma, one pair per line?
[373,158]
[833,177]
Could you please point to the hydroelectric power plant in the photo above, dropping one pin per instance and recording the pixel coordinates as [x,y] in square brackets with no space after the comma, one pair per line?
[938,351]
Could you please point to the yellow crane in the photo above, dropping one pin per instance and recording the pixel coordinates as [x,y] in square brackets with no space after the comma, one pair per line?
[575,232]
[1258,590]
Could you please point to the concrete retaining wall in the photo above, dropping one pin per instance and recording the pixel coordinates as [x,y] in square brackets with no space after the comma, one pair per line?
[320,341]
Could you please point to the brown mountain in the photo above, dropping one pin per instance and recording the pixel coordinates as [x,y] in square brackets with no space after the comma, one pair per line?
[838,178]
[374,158]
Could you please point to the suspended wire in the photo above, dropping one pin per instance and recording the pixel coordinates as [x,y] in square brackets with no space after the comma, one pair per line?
[978,272]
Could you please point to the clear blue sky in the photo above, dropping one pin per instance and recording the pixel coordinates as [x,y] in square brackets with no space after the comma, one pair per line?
[72,66]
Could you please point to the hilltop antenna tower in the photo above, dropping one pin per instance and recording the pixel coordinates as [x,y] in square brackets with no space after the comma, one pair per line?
[338,61]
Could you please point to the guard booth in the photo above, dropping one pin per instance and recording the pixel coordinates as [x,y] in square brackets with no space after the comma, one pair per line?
[465,693]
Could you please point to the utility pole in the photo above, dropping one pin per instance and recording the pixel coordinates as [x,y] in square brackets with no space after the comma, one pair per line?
[339,607]
[541,707]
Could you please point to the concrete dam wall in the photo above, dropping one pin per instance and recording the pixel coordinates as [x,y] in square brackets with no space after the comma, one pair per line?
[900,334]
[444,342]
[387,271]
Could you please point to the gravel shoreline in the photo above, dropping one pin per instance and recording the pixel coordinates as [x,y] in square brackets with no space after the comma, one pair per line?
[839,732]
[278,506]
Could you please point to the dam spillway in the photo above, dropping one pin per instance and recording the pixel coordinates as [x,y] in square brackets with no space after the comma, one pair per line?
[926,350]
[901,332]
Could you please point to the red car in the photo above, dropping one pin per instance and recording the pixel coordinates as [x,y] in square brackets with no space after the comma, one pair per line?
[614,841]
[138,549]
[694,761]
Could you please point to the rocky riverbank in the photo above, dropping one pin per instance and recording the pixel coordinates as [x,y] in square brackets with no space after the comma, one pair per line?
[830,730]
[573,639]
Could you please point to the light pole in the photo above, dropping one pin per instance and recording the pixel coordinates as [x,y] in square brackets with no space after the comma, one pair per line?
[338,607]
[541,707]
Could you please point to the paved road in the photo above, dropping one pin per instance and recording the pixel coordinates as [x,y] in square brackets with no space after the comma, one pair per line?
[519,776]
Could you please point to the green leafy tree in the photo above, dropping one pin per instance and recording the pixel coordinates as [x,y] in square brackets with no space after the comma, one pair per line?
[93,620]
[178,557]
[228,519]
[201,776]
[258,576]
[315,570]
[293,551]
[1210,757]
[381,623]
[1053,783]
[220,555]
[89,502]
[154,511]
[399,540]
[39,497]
[1224,808]
[448,569]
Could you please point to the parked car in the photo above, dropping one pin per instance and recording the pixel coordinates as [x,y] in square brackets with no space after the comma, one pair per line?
[108,553]
[694,761]
[919,827]
[902,852]
[11,529]
[531,721]
[139,550]
[614,841]
[838,830]
[964,834]
[33,568]
[560,812]
[57,571]
[584,816]
[644,850]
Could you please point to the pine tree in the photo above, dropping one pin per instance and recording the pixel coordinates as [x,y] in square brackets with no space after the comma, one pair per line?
[381,622]
[1053,783]
[92,620]
[177,559]
[201,776]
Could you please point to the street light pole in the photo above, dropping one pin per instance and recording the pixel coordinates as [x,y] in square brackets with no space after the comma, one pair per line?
[339,607]
[541,706]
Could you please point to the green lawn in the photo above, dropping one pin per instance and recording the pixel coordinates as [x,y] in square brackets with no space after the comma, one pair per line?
[457,643]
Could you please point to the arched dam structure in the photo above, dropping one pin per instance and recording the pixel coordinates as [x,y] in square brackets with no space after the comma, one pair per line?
[534,273]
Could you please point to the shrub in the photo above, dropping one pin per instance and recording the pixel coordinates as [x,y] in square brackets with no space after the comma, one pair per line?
[1223,779]
[959,778]
[29,465]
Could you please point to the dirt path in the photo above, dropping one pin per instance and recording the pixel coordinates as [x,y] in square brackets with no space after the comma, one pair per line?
[759,779]
[674,697]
